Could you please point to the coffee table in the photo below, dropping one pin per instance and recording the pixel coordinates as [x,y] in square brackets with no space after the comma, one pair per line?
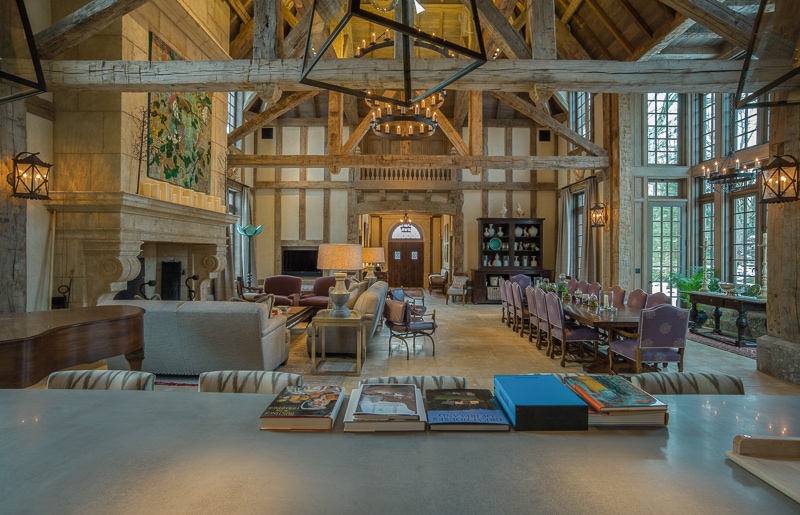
[295,314]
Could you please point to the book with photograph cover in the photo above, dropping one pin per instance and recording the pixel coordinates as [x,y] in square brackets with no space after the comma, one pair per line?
[385,408]
[607,394]
[303,408]
[470,409]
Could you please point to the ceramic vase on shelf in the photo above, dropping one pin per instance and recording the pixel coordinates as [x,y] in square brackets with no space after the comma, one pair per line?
[518,231]
[516,261]
[491,230]
[485,260]
[500,232]
[486,232]
[534,262]
[533,231]
[505,261]
[524,260]
[497,261]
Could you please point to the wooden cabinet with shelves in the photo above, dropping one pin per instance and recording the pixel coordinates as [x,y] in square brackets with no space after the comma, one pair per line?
[507,246]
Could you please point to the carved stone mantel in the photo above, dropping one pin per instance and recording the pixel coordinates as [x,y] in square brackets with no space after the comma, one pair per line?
[99,236]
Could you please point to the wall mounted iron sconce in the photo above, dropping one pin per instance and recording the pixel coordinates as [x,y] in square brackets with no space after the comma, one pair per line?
[190,293]
[780,180]
[30,177]
[597,215]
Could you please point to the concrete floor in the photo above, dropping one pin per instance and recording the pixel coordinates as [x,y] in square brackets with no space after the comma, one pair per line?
[472,342]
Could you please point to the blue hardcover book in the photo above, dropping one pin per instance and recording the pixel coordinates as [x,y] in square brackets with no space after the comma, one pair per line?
[540,403]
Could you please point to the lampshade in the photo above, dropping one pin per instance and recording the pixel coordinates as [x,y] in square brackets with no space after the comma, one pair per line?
[339,256]
[373,255]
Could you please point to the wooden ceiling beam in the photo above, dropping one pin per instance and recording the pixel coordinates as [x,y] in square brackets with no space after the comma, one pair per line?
[611,26]
[569,47]
[682,76]
[637,18]
[414,161]
[716,17]
[541,117]
[240,11]
[82,24]
[500,31]
[662,38]
[357,135]
[452,134]
[242,44]
[584,28]
[542,21]
[268,115]
[572,8]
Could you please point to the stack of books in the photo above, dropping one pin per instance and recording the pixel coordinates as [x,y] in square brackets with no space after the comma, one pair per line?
[540,403]
[615,401]
[385,407]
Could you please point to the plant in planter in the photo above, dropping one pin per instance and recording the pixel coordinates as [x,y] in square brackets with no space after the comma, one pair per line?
[692,281]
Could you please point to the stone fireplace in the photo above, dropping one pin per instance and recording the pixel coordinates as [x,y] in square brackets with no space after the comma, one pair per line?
[100,236]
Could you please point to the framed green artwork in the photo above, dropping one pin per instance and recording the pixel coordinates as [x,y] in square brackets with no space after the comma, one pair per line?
[179,137]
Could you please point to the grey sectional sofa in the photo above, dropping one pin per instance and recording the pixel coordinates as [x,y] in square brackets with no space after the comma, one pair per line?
[188,338]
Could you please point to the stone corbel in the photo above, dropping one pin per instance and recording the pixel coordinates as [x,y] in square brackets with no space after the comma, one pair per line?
[207,262]
[108,266]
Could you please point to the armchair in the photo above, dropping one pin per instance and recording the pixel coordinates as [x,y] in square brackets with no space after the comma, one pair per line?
[438,280]
[318,299]
[458,288]
[403,322]
[286,289]
[417,303]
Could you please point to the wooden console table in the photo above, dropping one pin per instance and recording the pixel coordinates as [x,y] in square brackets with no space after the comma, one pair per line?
[35,344]
[720,300]
[322,320]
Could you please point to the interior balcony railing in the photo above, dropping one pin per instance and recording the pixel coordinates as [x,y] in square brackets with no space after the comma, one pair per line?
[432,179]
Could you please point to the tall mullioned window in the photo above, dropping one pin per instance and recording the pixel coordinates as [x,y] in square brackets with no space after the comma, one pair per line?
[578,208]
[582,113]
[707,237]
[746,128]
[662,128]
[708,125]
[744,239]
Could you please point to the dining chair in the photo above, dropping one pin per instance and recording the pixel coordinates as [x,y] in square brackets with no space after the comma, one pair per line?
[661,339]
[619,295]
[541,314]
[596,289]
[656,299]
[421,382]
[521,314]
[246,381]
[567,334]
[637,299]
[572,285]
[533,318]
[521,279]
[100,380]
[510,315]
[669,383]
[583,286]
[504,301]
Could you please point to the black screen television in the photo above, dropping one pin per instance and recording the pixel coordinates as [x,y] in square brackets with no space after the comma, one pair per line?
[301,262]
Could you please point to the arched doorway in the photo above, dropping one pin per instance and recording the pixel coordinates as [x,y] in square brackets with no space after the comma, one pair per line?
[406,259]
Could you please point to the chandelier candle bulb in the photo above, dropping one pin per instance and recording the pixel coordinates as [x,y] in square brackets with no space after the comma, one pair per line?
[373,38]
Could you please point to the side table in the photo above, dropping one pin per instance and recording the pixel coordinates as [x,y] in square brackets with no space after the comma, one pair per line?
[322,320]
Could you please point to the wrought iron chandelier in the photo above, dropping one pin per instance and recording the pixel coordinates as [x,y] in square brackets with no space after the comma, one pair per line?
[405,223]
[730,175]
[403,37]
[416,122]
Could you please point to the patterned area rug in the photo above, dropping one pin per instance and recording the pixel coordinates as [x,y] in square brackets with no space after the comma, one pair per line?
[748,352]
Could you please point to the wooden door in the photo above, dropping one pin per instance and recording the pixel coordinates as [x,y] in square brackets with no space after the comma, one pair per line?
[406,263]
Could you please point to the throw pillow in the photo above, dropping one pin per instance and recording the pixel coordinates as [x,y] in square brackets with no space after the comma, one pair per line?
[269,300]
[356,289]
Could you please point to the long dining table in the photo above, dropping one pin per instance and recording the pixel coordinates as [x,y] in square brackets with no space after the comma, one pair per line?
[608,321]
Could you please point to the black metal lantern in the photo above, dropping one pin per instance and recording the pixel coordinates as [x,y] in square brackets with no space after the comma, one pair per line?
[597,215]
[780,180]
[30,178]
[20,70]
[412,58]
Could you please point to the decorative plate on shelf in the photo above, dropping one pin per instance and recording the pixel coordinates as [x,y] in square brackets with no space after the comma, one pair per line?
[495,244]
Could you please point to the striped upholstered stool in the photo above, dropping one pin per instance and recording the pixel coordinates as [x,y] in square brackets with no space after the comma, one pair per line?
[101,380]
[688,383]
[246,381]
[422,382]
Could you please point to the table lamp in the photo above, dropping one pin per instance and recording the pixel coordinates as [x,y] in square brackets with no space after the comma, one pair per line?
[339,257]
[371,257]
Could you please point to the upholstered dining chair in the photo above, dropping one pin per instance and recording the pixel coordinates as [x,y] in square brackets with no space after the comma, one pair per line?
[656,299]
[566,334]
[521,314]
[668,383]
[421,382]
[404,323]
[100,380]
[510,314]
[533,318]
[504,301]
[637,299]
[521,279]
[572,285]
[541,314]
[619,295]
[583,286]
[661,339]
[246,381]
[596,289]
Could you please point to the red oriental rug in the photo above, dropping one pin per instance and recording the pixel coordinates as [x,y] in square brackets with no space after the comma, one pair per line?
[748,352]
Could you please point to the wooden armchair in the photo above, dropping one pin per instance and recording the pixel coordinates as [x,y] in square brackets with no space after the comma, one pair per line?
[458,288]
[438,280]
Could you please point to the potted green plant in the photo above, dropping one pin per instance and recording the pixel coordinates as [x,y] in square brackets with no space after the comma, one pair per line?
[690,281]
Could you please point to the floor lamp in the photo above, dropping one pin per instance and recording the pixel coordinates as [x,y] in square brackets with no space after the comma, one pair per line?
[340,257]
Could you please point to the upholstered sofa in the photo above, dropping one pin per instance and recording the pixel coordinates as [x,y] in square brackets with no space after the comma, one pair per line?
[342,340]
[188,338]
